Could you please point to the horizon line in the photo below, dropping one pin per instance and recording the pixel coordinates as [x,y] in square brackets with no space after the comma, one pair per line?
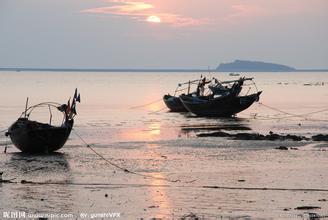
[140,70]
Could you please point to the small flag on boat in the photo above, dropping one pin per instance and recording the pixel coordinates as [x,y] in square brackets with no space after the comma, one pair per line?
[68,109]
[73,108]
[75,94]
[78,98]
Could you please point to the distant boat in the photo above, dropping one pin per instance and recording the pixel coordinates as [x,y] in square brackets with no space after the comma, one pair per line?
[36,137]
[223,102]
[234,74]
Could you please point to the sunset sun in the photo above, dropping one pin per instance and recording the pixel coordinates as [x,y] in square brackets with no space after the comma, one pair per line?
[154,19]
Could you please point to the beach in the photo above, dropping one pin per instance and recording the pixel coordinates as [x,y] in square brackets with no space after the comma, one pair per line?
[155,164]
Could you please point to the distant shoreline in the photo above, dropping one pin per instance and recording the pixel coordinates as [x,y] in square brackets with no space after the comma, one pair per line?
[141,70]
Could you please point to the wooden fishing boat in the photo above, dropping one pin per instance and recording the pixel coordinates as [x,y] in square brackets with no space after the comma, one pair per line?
[35,137]
[224,106]
[173,102]
[221,104]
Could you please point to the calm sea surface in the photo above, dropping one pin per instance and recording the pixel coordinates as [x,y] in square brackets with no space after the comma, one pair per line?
[109,99]
[123,116]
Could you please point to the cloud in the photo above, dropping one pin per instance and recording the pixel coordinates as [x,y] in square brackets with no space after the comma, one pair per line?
[123,8]
[209,14]
[241,11]
[140,11]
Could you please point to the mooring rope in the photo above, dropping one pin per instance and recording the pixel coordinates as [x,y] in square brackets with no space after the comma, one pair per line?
[144,105]
[154,112]
[2,131]
[119,167]
[290,115]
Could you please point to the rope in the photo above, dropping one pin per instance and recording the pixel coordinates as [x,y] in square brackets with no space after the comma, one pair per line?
[140,106]
[285,117]
[119,167]
[310,113]
[154,112]
[4,130]
[295,115]
[290,115]
[180,90]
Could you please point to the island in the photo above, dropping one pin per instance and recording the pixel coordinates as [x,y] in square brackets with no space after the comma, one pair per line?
[253,66]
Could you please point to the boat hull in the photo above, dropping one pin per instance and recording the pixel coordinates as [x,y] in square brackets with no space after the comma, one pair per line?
[226,106]
[34,137]
[174,103]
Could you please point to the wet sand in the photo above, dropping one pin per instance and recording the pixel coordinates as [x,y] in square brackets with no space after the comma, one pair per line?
[216,180]
[218,177]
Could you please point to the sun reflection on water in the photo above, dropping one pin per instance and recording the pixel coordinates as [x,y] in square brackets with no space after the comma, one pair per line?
[154,129]
[155,107]
[159,197]
[150,132]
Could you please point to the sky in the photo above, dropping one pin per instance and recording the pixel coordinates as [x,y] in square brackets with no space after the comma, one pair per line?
[162,33]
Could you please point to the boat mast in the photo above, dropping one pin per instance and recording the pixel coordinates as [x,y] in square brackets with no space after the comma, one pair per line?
[26,107]
[50,114]
[188,87]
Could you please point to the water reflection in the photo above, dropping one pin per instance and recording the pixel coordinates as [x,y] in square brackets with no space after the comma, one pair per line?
[150,132]
[155,107]
[228,124]
[154,129]
[160,198]
[44,197]
[28,165]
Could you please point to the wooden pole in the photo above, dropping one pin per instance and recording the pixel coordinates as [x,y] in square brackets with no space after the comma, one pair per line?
[188,87]
[50,115]
[26,104]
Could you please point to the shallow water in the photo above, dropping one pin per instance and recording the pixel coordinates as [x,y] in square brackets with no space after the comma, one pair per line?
[165,145]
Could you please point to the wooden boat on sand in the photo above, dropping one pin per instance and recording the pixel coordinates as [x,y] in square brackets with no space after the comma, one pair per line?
[35,137]
[173,102]
[224,101]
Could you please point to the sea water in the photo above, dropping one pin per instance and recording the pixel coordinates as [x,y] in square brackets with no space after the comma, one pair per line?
[122,116]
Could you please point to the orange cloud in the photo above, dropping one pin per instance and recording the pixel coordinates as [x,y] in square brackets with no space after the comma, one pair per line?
[123,8]
[209,14]
[140,11]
